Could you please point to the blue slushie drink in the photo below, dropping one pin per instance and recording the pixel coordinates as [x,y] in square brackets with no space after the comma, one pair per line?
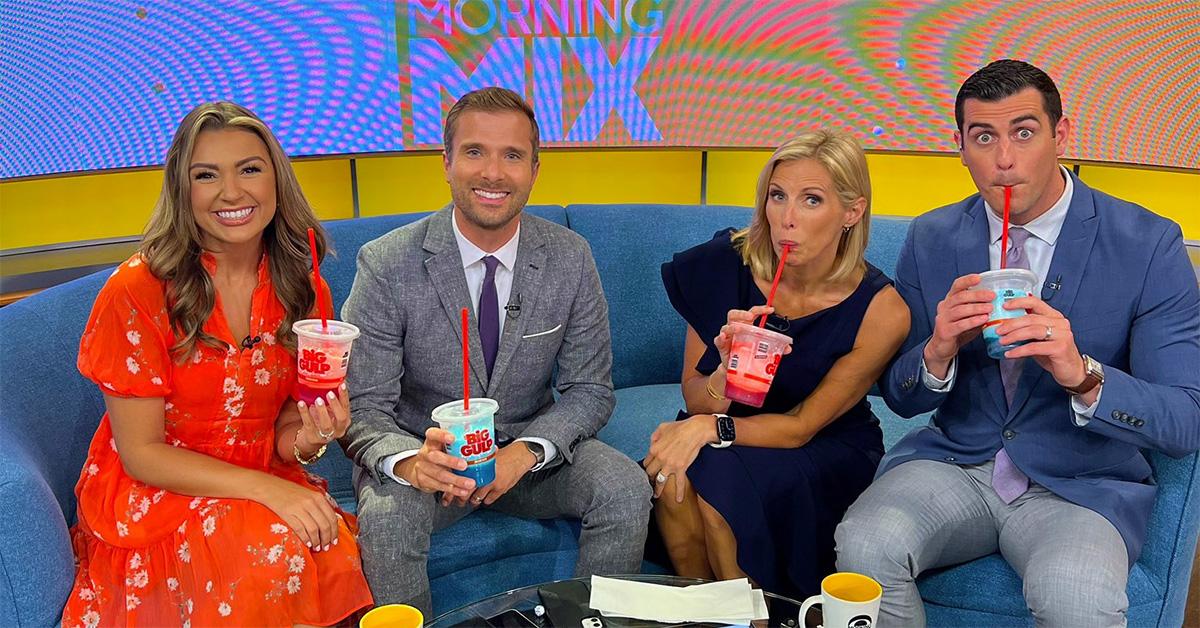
[1008,284]
[474,436]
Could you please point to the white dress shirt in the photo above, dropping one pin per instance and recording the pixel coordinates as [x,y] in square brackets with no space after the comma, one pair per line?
[475,271]
[1039,249]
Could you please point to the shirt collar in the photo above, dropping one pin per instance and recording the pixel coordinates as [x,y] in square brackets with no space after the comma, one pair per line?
[472,254]
[1045,227]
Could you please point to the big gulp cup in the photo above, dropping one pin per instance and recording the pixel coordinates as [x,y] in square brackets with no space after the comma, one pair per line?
[1008,284]
[474,436]
[392,616]
[848,600]
[754,355]
[322,355]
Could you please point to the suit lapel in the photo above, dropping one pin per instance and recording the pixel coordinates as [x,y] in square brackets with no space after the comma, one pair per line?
[446,276]
[972,257]
[1071,253]
[526,286]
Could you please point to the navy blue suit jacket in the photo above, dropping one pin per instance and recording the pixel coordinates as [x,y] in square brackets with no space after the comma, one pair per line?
[1129,291]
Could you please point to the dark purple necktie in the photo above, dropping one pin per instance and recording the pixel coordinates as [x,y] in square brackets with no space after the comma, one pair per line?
[1009,482]
[489,314]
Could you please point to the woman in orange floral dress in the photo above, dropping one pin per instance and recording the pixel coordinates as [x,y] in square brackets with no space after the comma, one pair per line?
[194,509]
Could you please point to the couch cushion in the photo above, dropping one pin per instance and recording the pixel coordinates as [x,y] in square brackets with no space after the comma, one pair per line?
[960,587]
[887,236]
[50,405]
[630,243]
[639,410]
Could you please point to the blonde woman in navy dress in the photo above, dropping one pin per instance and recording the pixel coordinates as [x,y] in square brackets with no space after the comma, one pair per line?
[765,506]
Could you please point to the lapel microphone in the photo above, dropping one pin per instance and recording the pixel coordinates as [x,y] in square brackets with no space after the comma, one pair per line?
[1051,288]
[249,342]
[513,310]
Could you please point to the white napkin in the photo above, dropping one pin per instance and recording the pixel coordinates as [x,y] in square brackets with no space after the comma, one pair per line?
[728,601]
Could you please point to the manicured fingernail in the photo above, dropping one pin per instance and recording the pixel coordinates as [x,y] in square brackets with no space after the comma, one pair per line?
[302,405]
[308,544]
[330,395]
[335,541]
[320,401]
[342,387]
[326,548]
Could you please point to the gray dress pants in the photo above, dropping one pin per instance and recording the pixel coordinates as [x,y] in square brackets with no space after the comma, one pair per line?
[926,514]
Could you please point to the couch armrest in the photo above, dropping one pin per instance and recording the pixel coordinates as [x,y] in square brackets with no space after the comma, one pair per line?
[37,565]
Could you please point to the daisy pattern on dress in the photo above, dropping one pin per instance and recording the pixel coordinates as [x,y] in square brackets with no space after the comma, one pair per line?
[279,528]
[91,619]
[296,564]
[224,609]
[133,337]
[185,553]
[293,584]
[262,377]
[132,365]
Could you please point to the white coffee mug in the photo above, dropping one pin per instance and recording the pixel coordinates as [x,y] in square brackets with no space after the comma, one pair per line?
[848,600]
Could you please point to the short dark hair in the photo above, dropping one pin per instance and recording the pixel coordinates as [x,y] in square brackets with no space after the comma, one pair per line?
[492,99]
[1003,78]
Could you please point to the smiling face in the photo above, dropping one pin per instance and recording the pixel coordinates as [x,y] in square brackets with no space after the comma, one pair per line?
[806,213]
[232,188]
[1010,142]
[490,169]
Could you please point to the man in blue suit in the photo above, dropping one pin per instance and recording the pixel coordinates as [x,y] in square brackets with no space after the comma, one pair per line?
[1038,455]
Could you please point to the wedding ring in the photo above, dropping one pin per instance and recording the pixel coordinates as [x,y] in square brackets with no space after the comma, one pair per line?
[1049,333]
[477,500]
[325,437]
[660,478]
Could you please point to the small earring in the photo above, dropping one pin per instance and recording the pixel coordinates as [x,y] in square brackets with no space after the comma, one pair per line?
[846,229]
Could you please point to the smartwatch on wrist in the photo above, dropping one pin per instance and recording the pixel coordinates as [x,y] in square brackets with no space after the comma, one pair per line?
[725,431]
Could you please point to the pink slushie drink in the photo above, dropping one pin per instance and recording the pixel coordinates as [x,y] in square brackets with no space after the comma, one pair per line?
[322,355]
[754,356]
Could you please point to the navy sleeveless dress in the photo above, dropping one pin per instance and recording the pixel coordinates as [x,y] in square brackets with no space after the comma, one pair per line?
[782,504]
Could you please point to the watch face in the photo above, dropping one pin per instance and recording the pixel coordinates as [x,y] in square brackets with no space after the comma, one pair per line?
[725,429]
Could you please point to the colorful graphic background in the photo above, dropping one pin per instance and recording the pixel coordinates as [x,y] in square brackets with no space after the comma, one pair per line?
[90,85]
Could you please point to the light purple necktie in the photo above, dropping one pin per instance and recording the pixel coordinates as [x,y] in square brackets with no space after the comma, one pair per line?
[1008,481]
[489,314]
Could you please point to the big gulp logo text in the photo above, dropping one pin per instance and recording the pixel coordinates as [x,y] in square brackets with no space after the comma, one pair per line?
[315,362]
[478,443]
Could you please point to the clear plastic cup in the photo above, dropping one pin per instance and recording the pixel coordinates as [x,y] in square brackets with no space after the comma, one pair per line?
[1008,284]
[322,355]
[754,356]
[474,436]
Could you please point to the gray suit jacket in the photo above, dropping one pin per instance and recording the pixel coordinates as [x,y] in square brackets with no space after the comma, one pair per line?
[407,298]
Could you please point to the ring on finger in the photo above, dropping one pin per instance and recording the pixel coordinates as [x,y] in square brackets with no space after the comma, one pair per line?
[1049,333]
[325,437]
[660,478]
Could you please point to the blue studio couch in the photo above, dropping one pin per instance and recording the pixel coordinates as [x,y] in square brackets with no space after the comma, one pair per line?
[48,413]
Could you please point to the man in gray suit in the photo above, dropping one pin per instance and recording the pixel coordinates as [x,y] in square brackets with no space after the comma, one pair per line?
[480,252]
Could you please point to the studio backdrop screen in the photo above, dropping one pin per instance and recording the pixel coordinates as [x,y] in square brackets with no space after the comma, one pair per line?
[90,85]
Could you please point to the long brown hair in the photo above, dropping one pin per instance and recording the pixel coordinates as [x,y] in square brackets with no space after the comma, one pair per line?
[844,159]
[171,245]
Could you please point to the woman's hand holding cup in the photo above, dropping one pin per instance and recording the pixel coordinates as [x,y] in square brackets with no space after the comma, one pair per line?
[325,420]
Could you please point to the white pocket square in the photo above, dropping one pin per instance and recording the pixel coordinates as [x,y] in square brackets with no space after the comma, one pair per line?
[542,333]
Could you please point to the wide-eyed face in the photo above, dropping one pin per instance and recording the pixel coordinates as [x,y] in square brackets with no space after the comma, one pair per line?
[232,188]
[1010,142]
[490,167]
[805,212]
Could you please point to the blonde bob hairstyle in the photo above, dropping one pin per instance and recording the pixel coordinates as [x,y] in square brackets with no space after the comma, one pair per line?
[846,163]
[172,246]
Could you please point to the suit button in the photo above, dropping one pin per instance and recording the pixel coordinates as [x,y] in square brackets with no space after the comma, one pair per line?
[1009,434]
[1116,415]
[1138,423]
[949,458]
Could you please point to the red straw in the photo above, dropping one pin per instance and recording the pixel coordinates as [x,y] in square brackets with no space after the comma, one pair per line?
[466,366]
[762,320]
[312,246]
[1004,233]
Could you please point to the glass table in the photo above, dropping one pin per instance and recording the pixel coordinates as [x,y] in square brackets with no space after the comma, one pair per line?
[783,611]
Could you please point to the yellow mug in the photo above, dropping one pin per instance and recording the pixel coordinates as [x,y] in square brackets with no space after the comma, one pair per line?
[392,616]
[848,600]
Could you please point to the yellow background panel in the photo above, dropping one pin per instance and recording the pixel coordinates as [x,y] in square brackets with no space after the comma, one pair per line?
[38,212]
[412,183]
[1175,195]
[66,209]
[902,185]
[401,184]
